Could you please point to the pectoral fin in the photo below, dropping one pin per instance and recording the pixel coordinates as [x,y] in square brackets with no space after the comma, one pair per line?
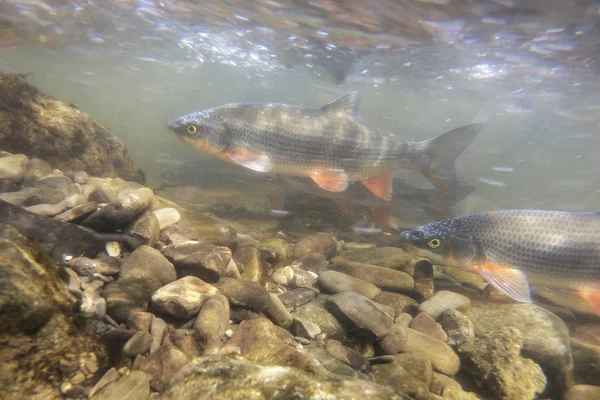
[332,180]
[380,185]
[510,281]
[255,162]
[592,296]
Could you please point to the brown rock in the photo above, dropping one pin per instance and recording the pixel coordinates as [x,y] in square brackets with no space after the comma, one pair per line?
[384,278]
[317,243]
[163,364]
[211,323]
[362,314]
[399,302]
[203,260]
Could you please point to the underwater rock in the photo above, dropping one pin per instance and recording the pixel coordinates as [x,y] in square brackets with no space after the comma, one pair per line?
[48,210]
[250,262]
[142,274]
[218,377]
[203,260]
[138,344]
[397,377]
[77,214]
[185,341]
[418,365]
[278,313]
[494,361]
[403,320]
[442,301]
[140,321]
[133,386]
[7,186]
[130,203]
[55,188]
[322,243]
[81,177]
[13,167]
[211,323]
[210,229]
[104,265]
[37,328]
[302,278]
[424,323]
[458,327]
[282,249]
[314,262]
[305,328]
[36,169]
[177,234]
[146,228]
[329,362]
[103,193]
[401,339]
[183,298]
[449,389]
[244,294]
[26,196]
[296,297]
[399,302]
[545,337]
[571,300]
[163,364]
[167,216]
[363,315]
[384,278]
[259,340]
[58,133]
[157,330]
[586,359]
[337,282]
[583,392]
[317,312]
[423,276]
[389,257]
[345,354]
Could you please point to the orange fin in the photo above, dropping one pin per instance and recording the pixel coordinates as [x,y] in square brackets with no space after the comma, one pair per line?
[380,185]
[591,296]
[510,281]
[332,180]
[255,162]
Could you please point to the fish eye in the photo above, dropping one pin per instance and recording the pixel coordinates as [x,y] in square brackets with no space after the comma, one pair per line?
[434,243]
[192,129]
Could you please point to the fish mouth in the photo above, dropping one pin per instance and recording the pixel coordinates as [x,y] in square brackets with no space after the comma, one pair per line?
[173,124]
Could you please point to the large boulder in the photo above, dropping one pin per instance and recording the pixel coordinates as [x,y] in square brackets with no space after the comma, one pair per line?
[38,125]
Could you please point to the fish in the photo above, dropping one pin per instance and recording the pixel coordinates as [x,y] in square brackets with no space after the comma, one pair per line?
[330,144]
[514,248]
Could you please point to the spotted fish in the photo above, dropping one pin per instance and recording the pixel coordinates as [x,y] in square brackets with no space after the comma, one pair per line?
[330,144]
[512,248]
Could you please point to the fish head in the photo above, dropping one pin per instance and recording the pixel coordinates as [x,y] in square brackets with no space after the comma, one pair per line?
[203,130]
[442,242]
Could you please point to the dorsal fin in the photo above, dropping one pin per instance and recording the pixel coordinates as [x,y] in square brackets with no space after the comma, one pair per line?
[346,105]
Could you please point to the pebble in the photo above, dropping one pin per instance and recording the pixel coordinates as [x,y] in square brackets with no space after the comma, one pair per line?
[281,248]
[36,168]
[140,321]
[129,204]
[317,312]
[184,297]
[250,262]
[305,328]
[384,278]
[296,298]
[399,302]
[396,376]
[203,260]
[13,167]
[81,177]
[303,278]
[185,341]
[316,243]
[337,282]
[423,277]
[212,323]
[167,217]
[363,314]
[102,193]
[401,339]
[134,386]
[6,185]
[55,188]
[302,340]
[177,234]
[47,210]
[458,327]
[89,363]
[245,294]
[113,249]
[26,196]
[283,276]
[138,344]
[157,330]
[145,228]
[278,313]
[74,283]
[403,320]
[358,246]
[444,300]
[163,364]
[314,262]
[424,323]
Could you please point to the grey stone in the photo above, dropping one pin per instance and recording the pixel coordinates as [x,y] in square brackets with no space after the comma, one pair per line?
[145,228]
[337,282]
[251,263]
[13,167]
[364,315]
[345,354]
[184,297]
[177,234]
[305,328]
[397,377]
[129,204]
[244,294]
[140,321]
[203,260]
[157,330]
[110,376]
[103,193]
[167,216]
[389,257]
[296,298]
[319,314]
[278,313]
[444,300]
[399,302]
[104,265]
[424,323]
[26,196]
[212,322]
[81,177]
[36,169]
[55,188]
[138,344]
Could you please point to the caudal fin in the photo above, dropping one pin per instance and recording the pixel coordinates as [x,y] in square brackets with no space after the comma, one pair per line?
[443,152]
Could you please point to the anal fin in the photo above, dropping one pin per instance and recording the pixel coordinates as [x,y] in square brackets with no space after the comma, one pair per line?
[592,296]
[380,185]
[332,180]
[510,281]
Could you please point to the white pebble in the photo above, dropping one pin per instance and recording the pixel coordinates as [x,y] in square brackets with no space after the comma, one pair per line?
[229,333]
[113,249]
[167,217]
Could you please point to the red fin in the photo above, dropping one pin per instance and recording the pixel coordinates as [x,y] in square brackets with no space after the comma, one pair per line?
[255,162]
[343,205]
[332,180]
[592,297]
[380,185]
[435,181]
[510,281]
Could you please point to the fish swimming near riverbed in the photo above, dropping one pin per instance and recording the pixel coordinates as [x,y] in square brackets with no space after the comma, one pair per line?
[512,248]
[330,144]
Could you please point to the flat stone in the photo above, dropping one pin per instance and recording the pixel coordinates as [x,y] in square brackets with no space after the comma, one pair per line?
[322,243]
[401,339]
[403,320]
[55,188]
[48,210]
[145,228]
[443,301]
[296,298]
[135,386]
[424,323]
[384,278]
[212,322]
[138,344]
[13,167]
[116,215]
[26,196]
[389,257]
[203,260]
[399,302]
[77,214]
[337,282]
[140,321]
[184,297]
[104,265]
[244,294]
[163,364]
[305,328]
[157,330]
[362,314]
[167,216]
[177,234]
[494,361]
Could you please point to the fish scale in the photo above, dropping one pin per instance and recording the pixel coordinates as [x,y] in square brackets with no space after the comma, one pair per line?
[552,248]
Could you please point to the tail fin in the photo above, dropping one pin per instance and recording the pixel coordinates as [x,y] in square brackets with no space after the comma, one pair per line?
[443,151]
